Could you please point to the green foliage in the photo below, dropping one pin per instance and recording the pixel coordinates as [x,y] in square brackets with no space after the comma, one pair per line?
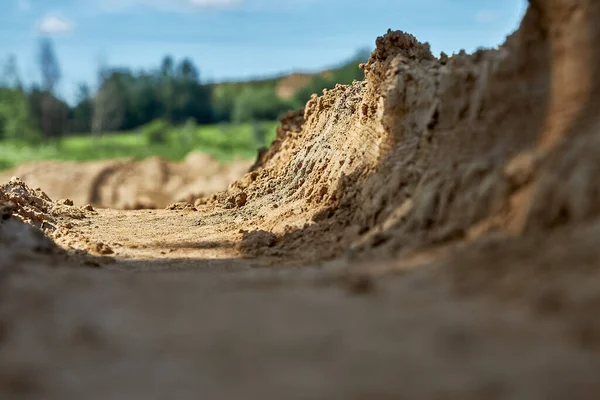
[185,135]
[127,100]
[191,100]
[259,105]
[49,115]
[168,107]
[156,131]
[225,96]
[225,142]
[345,75]
[260,132]
[10,77]
[315,86]
[223,101]
[80,116]
[17,152]
[14,117]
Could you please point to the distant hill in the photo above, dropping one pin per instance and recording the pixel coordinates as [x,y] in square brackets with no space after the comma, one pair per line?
[288,86]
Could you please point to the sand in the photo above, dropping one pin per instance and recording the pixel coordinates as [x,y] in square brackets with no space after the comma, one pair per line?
[429,233]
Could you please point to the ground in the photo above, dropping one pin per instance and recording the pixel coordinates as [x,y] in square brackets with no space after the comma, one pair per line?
[430,233]
[178,311]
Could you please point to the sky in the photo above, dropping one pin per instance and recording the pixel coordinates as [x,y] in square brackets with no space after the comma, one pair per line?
[236,39]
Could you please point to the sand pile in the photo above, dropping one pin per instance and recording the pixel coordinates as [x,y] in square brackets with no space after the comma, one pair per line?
[24,216]
[129,184]
[34,224]
[35,207]
[429,151]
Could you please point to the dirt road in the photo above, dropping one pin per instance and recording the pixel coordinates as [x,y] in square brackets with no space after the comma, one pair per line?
[430,233]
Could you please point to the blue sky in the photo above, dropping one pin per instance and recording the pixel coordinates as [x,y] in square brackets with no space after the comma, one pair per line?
[237,38]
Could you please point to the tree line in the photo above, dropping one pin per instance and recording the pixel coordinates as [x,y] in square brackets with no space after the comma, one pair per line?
[172,92]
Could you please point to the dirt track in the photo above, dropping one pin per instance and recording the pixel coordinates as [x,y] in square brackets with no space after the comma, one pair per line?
[428,233]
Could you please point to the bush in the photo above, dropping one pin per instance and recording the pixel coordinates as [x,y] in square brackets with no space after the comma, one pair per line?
[261,104]
[15,119]
[345,75]
[184,136]
[260,131]
[315,86]
[4,164]
[156,132]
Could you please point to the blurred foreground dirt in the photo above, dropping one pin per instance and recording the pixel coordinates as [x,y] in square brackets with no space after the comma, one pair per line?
[430,233]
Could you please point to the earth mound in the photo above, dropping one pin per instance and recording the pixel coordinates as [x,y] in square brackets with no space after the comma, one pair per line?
[31,224]
[430,151]
[130,184]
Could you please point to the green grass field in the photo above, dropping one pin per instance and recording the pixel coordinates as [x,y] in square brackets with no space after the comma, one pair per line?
[225,142]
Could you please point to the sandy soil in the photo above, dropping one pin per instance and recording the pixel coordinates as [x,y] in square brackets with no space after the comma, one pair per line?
[428,233]
[130,184]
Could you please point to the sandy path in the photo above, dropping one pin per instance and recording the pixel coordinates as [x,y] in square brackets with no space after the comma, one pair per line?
[199,321]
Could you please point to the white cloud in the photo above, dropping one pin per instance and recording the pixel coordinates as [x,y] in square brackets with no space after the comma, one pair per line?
[24,5]
[54,24]
[485,16]
[165,5]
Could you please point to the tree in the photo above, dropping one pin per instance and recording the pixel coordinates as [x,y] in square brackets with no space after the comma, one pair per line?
[50,112]
[260,104]
[167,66]
[192,100]
[54,116]
[344,74]
[144,104]
[223,99]
[316,85]
[82,113]
[49,67]
[187,71]
[15,120]
[110,104]
[10,74]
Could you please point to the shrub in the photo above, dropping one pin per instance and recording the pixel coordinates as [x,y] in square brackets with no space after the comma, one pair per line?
[184,136]
[15,117]
[156,132]
[259,105]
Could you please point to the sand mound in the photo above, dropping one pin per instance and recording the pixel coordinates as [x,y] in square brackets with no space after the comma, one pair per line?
[430,151]
[32,224]
[128,184]
[25,215]
[34,206]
